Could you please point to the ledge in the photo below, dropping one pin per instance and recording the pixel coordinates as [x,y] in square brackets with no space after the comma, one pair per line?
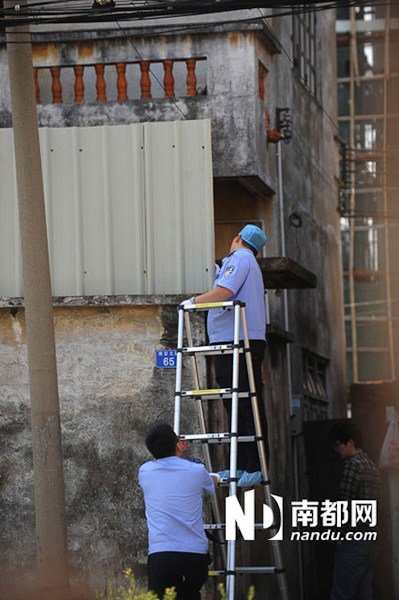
[102,300]
[275,334]
[185,28]
[281,273]
[253,183]
[278,273]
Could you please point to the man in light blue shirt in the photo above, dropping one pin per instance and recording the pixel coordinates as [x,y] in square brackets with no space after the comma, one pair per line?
[172,488]
[239,274]
[240,278]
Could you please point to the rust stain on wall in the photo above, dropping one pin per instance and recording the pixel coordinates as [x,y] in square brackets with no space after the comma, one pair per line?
[85,50]
[44,52]
[12,327]
[140,321]
[187,40]
[235,38]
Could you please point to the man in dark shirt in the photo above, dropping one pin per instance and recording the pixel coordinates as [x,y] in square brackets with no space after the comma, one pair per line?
[354,558]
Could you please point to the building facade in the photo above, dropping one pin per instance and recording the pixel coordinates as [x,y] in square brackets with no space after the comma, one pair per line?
[368,50]
[251,74]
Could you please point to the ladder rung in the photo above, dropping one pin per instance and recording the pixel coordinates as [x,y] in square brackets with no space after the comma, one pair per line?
[215,349]
[216,437]
[244,570]
[212,394]
[208,305]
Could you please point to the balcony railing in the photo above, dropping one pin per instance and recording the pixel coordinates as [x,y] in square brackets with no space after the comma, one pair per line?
[120,81]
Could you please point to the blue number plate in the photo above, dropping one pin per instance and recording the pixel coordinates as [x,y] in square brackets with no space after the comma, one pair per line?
[166,359]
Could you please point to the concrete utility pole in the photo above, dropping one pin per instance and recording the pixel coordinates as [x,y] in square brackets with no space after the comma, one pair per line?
[52,560]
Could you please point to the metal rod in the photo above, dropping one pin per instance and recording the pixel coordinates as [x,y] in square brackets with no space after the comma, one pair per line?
[179,369]
[254,402]
[231,545]
[201,417]
[262,457]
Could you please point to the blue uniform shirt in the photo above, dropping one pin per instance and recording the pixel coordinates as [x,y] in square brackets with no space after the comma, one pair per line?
[240,273]
[172,489]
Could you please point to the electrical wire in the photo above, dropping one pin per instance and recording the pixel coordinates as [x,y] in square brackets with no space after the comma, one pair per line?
[140,56]
[49,13]
[184,115]
[145,31]
[326,4]
[262,18]
[176,5]
[183,27]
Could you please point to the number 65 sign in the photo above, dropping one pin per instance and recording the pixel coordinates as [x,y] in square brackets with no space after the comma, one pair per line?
[165,359]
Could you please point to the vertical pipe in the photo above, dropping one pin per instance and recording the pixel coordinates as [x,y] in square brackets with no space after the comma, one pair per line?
[52,558]
[386,207]
[351,274]
[289,364]
[284,253]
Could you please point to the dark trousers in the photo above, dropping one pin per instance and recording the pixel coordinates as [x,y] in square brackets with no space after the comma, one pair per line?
[248,457]
[353,570]
[185,571]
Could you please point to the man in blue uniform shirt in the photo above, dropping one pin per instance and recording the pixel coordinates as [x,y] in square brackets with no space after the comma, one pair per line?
[172,487]
[240,278]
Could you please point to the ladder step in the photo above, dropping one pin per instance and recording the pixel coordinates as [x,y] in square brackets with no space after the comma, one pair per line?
[215,394]
[208,305]
[216,437]
[211,350]
[245,570]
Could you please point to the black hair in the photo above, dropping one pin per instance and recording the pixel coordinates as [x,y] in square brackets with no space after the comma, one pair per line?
[249,246]
[345,431]
[161,441]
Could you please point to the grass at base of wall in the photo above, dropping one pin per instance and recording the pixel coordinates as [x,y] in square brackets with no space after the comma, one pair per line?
[129,591]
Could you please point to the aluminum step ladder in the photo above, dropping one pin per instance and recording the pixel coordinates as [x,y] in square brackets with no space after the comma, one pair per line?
[231,437]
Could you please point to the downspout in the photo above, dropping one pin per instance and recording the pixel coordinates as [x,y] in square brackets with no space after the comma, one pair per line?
[289,364]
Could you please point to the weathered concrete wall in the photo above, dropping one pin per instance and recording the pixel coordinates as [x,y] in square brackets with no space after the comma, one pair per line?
[231,83]
[309,170]
[110,395]
[240,150]
[229,101]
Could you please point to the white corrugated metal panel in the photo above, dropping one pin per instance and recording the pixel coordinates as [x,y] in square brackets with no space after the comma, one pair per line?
[178,189]
[129,209]
[10,249]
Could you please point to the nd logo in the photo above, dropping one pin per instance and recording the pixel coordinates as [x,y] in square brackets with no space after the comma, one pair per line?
[245,519]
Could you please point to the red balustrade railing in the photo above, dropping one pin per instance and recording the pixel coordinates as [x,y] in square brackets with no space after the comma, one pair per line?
[122,86]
